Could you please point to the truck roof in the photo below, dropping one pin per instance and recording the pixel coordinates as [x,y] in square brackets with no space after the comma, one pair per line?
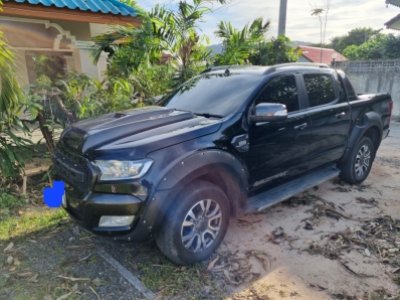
[262,70]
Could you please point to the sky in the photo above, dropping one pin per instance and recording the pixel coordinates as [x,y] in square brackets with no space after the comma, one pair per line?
[343,16]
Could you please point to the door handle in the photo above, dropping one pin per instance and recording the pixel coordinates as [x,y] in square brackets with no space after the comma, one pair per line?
[301,127]
[340,115]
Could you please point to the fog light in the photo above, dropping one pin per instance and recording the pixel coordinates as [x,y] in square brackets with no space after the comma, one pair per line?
[115,221]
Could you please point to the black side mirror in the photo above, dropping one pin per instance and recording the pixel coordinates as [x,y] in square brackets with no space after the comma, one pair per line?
[269,112]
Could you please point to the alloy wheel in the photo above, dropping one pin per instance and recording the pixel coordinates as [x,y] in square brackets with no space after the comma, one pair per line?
[362,161]
[201,225]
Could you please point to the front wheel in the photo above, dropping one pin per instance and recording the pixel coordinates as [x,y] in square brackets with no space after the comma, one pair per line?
[359,164]
[195,224]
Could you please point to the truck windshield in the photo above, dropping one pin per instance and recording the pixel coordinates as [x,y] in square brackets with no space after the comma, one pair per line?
[212,94]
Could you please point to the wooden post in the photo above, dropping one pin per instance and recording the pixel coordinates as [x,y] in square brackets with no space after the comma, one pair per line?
[24,179]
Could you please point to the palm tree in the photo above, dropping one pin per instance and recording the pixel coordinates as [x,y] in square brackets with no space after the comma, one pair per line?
[163,29]
[11,97]
[322,22]
[10,90]
[274,51]
[238,45]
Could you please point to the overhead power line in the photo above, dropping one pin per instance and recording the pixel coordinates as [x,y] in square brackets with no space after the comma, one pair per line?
[230,4]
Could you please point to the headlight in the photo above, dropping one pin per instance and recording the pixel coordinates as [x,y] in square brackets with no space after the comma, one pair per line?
[120,170]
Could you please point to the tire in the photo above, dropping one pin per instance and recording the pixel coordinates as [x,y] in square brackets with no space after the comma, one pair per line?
[186,222]
[359,164]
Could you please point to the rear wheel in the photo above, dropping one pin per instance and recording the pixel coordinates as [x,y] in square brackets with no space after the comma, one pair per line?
[359,164]
[195,224]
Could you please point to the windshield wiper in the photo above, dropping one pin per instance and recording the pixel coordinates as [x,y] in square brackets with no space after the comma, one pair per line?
[207,115]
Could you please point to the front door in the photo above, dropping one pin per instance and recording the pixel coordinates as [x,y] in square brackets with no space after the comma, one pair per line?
[277,149]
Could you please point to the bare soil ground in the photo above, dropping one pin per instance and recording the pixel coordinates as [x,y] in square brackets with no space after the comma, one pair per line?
[334,241]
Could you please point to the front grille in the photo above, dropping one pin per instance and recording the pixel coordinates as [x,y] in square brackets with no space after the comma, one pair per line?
[73,169]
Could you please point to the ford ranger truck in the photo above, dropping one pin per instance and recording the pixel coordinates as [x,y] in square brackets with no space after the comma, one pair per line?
[230,140]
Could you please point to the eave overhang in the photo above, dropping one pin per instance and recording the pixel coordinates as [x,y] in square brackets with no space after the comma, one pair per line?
[393,23]
[393,2]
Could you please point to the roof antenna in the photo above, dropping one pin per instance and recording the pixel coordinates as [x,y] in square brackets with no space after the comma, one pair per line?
[227,72]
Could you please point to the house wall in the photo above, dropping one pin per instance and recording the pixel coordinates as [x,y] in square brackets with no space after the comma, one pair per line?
[303,59]
[28,35]
[380,76]
[78,29]
[67,39]
[98,29]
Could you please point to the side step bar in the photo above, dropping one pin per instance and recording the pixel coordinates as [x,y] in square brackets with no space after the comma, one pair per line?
[283,192]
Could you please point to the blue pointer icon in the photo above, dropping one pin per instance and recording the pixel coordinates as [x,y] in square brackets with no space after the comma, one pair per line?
[53,196]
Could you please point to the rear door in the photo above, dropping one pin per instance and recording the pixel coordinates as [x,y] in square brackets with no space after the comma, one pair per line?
[330,117]
[277,149]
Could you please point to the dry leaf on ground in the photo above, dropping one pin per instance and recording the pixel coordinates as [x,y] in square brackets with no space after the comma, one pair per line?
[211,265]
[64,296]
[9,247]
[33,278]
[74,279]
[26,274]
[98,282]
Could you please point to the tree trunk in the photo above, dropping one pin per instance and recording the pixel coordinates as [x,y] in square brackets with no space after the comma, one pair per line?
[71,118]
[47,134]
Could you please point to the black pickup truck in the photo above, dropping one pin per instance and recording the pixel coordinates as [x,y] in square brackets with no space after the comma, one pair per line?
[231,140]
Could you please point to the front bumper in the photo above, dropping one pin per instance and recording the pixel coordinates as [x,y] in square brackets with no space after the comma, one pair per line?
[149,214]
[89,211]
[87,201]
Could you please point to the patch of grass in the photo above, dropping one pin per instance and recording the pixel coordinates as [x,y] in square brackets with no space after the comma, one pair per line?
[24,290]
[26,222]
[59,250]
[93,259]
[168,280]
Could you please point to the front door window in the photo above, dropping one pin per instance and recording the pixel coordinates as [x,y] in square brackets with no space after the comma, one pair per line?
[281,90]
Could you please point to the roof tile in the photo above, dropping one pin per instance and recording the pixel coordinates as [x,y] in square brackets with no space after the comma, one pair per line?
[105,6]
[313,54]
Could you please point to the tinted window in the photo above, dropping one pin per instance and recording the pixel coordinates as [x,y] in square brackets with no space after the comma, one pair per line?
[282,90]
[349,88]
[319,88]
[215,94]
[342,93]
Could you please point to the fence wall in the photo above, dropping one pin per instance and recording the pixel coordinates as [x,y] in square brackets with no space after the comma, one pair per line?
[376,76]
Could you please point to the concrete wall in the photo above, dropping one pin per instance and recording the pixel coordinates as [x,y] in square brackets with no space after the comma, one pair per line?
[375,77]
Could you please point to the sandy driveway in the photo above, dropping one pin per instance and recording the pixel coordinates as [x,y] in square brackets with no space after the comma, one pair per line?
[323,245]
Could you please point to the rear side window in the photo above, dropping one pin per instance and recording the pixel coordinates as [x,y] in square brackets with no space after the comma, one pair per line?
[281,90]
[351,94]
[319,89]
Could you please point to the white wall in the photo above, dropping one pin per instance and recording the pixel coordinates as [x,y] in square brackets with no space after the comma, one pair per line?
[377,77]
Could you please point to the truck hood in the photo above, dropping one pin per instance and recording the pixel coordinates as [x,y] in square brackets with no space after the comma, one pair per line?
[135,133]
